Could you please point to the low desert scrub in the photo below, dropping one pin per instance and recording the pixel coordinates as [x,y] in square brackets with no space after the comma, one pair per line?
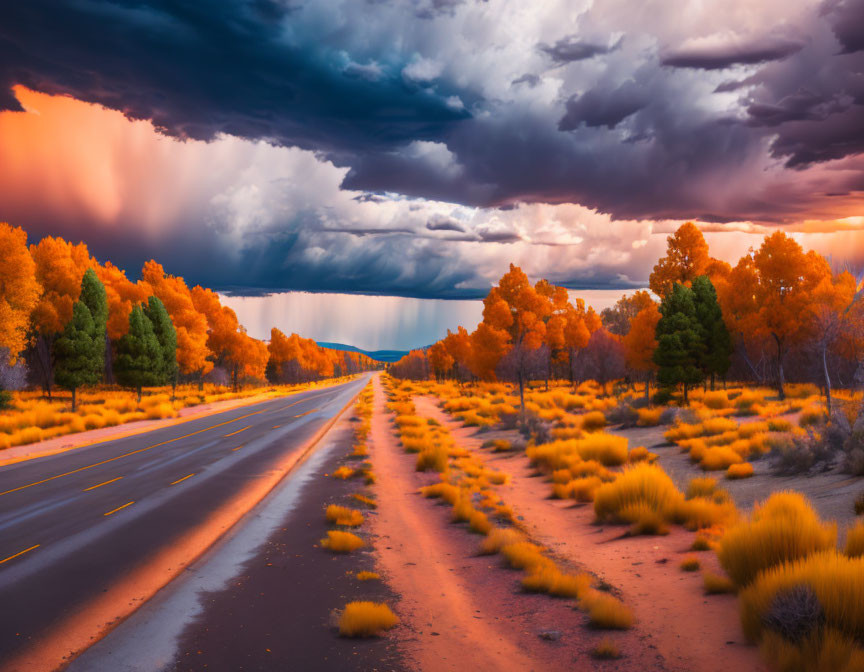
[701,543]
[643,519]
[716,584]
[606,649]
[366,619]
[719,457]
[580,489]
[779,425]
[498,538]
[743,470]
[701,487]
[606,611]
[690,564]
[855,540]
[640,485]
[784,528]
[649,417]
[815,603]
[367,576]
[498,445]
[342,515]
[716,400]
[812,415]
[342,542]
[525,555]
[593,421]
[343,472]
[641,454]
[363,499]
[550,580]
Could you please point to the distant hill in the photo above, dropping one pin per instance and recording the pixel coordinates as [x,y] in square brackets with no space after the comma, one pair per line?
[378,355]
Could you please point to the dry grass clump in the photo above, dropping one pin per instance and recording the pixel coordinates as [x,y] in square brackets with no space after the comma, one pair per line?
[498,445]
[366,619]
[363,499]
[716,584]
[606,611]
[593,421]
[701,543]
[812,415]
[498,538]
[639,485]
[550,580]
[832,584]
[342,542]
[690,564]
[342,515]
[855,540]
[643,519]
[606,649]
[716,400]
[782,529]
[367,576]
[525,555]
[641,454]
[446,491]
[779,425]
[703,486]
[344,472]
[580,489]
[743,470]
[434,458]
[649,417]
[719,457]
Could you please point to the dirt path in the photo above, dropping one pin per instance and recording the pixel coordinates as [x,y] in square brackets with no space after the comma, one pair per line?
[690,631]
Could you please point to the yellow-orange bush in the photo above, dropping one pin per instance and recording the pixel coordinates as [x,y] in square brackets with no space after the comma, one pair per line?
[366,619]
[649,417]
[744,470]
[367,576]
[606,611]
[342,515]
[342,542]
[855,540]
[715,584]
[641,484]
[783,528]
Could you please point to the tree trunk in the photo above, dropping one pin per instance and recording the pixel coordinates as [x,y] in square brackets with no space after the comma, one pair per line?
[73,400]
[570,361]
[522,394]
[780,381]
[712,381]
[139,395]
[827,377]
[648,389]
[685,394]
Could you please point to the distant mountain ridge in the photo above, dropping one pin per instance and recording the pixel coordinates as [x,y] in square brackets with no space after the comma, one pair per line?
[386,356]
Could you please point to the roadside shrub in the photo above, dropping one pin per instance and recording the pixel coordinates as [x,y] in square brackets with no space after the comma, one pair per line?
[368,501]
[716,400]
[799,453]
[715,584]
[649,417]
[700,543]
[606,649]
[623,414]
[593,421]
[701,487]
[433,458]
[812,415]
[525,555]
[690,564]
[719,457]
[779,425]
[342,515]
[859,504]
[550,580]
[367,576]
[343,472]
[498,538]
[366,619]
[606,611]
[643,519]
[782,529]
[607,449]
[342,542]
[744,470]
[641,454]
[855,540]
[640,484]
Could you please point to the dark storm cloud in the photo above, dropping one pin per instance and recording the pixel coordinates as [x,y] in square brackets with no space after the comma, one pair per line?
[599,107]
[721,56]
[847,20]
[199,69]
[444,223]
[572,48]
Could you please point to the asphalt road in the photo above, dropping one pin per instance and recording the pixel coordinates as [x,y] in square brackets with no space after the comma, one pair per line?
[74,524]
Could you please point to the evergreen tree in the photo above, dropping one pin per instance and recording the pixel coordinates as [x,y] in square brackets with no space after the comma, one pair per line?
[78,360]
[165,333]
[139,355]
[718,344]
[680,345]
[94,297]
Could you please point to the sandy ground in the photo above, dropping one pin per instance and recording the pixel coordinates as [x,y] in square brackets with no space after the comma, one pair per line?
[832,493]
[687,629]
[462,611]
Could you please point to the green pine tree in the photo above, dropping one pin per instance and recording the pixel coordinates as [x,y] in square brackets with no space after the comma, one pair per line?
[718,344]
[93,296]
[78,360]
[680,345]
[139,355]
[165,333]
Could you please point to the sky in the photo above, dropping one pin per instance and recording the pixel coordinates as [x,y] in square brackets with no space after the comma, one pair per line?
[415,148]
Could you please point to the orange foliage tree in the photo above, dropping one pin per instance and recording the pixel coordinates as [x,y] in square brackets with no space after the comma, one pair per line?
[640,343]
[60,266]
[19,290]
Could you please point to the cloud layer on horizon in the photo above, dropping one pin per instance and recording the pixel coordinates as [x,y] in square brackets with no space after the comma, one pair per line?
[415,147]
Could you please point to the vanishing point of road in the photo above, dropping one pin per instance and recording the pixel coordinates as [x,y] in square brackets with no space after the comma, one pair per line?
[89,534]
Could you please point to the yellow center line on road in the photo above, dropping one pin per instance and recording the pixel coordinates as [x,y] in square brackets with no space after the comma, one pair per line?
[276,426]
[237,448]
[99,485]
[309,398]
[26,550]
[130,453]
[306,413]
[118,508]
[180,480]
[238,431]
